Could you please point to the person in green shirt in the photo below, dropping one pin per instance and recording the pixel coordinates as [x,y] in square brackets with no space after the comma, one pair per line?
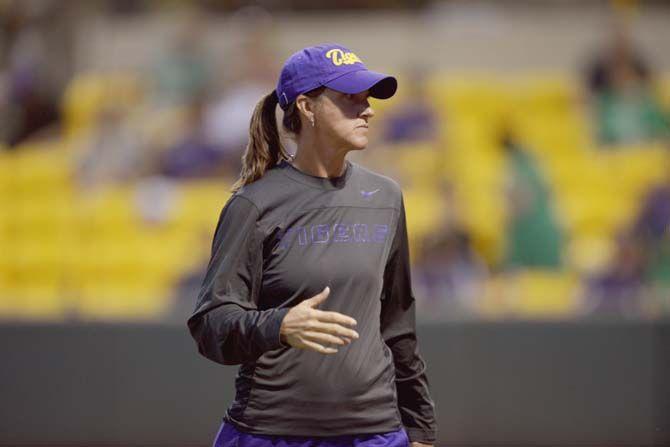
[533,236]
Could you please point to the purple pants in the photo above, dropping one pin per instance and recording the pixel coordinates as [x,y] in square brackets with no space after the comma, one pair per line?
[229,436]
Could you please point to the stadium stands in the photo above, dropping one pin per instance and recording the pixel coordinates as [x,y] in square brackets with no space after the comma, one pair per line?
[72,253]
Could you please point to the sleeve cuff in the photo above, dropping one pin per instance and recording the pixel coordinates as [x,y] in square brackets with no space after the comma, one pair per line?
[419,435]
[271,336]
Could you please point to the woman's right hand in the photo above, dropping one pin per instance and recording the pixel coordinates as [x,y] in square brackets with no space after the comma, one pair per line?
[305,327]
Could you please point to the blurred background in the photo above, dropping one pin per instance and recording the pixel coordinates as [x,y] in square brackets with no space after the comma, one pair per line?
[531,139]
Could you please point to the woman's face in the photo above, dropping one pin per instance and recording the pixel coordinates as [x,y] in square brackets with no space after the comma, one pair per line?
[341,119]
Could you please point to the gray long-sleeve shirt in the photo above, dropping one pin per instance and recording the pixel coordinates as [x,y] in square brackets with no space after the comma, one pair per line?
[282,239]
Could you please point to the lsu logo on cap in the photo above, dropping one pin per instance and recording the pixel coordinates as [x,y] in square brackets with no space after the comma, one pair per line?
[339,57]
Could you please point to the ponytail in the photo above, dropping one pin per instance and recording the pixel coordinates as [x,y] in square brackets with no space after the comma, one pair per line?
[264,149]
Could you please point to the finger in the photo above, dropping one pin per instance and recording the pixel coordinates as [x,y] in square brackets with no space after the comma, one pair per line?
[318,298]
[322,337]
[335,329]
[334,317]
[318,348]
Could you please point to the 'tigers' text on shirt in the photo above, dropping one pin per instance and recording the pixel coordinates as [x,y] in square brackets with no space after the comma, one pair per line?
[338,233]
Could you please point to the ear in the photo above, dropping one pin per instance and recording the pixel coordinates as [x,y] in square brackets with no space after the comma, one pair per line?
[305,105]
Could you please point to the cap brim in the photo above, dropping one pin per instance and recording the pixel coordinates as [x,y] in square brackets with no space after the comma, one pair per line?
[381,86]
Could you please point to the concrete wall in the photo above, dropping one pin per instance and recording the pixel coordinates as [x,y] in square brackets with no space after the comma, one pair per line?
[576,383]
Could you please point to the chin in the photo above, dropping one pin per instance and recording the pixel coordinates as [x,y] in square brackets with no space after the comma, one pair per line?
[358,144]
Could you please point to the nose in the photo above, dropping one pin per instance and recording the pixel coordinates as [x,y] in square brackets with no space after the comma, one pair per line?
[368,112]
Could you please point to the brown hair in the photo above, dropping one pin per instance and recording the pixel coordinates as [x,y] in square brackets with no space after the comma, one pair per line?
[264,149]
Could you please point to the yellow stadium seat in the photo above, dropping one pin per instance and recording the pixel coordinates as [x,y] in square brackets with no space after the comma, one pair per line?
[531,294]
[478,167]
[483,216]
[469,94]
[544,92]
[116,301]
[88,93]
[545,294]
[589,210]
[107,210]
[589,253]
[6,170]
[473,134]
[425,210]
[422,164]
[551,134]
[42,166]
[33,302]
[32,280]
[199,203]
[637,168]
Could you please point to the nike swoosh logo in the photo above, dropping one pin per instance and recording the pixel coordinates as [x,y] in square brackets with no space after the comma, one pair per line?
[367,194]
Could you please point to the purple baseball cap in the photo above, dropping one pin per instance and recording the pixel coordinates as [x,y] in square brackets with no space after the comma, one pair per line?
[332,66]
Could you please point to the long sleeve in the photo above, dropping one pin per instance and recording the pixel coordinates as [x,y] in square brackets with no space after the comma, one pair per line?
[398,326]
[227,324]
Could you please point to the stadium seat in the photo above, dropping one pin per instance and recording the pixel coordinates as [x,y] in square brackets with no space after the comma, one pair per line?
[544,294]
[532,294]
[422,164]
[543,93]
[589,253]
[88,93]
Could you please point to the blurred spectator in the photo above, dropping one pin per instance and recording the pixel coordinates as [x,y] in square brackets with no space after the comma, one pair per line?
[626,109]
[616,291]
[653,221]
[449,275]
[658,265]
[114,152]
[31,90]
[652,227]
[156,198]
[183,72]
[533,236]
[193,155]
[414,119]
[226,121]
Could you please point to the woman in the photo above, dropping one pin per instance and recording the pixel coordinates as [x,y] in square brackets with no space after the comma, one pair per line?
[307,231]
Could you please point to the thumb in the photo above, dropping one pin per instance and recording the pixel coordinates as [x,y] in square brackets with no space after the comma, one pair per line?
[319,298]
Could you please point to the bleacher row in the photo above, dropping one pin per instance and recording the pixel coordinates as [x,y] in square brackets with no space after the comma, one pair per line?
[65,252]
[597,191]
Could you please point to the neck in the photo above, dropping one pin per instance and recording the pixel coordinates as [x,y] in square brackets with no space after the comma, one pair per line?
[320,160]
